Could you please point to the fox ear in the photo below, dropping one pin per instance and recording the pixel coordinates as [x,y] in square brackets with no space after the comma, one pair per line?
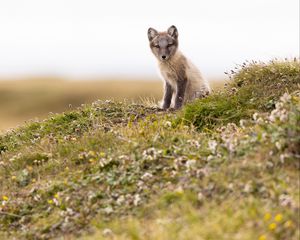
[152,33]
[173,32]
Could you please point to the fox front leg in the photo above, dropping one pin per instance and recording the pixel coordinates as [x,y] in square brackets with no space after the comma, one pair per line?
[179,98]
[168,92]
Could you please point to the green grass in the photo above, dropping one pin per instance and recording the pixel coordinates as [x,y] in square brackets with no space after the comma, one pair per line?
[255,87]
[131,171]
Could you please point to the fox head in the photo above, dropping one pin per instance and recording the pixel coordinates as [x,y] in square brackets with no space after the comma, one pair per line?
[163,44]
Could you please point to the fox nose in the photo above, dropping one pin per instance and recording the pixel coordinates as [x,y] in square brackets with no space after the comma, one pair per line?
[163,57]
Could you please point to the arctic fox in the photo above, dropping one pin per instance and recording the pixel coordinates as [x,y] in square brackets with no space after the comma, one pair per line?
[183,81]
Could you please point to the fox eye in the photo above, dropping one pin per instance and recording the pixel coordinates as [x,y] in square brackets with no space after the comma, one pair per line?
[170,45]
[157,46]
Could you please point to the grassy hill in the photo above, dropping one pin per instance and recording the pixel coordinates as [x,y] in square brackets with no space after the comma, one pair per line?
[33,98]
[224,167]
[24,99]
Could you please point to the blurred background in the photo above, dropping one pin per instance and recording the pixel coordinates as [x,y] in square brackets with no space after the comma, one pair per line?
[58,54]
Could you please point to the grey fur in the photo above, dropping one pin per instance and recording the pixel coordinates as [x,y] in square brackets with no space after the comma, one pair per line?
[152,33]
[183,81]
[181,87]
[168,93]
[173,32]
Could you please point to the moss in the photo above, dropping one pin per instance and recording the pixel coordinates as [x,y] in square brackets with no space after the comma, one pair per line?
[255,87]
[215,110]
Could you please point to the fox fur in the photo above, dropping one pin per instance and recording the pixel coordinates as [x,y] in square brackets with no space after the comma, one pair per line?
[183,82]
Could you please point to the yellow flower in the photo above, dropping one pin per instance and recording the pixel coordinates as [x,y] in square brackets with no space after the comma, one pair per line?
[33,180]
[67,168]
[278,218]
[288,224]
[262,237]
[29,168]
[102,154]
[5,198]
[92,153]
[50,201]
[272,226]
[267,216]
[13,177]
[91,160]
[56,195]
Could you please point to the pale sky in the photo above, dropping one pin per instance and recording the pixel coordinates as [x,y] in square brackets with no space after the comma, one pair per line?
[93,38]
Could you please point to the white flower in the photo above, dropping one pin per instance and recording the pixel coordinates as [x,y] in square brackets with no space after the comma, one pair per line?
[70,211]
[151,153]
[242,123]
[278,145]
[279,113]
[282,157]
[108,210]
[285,200]
[190,164]
[285,98]
[120,200]
[146,176]
[179,190]
[200,196]
[56,202]
[107,232]
[137,199]
[37,198]
[284,116]
[272,116]
[194,143]
[279,105]
[260,120]
[212,145]
[255,115]
[167,124]
[248,188]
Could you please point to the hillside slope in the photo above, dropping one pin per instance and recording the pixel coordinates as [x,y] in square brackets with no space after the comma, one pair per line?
[224,167]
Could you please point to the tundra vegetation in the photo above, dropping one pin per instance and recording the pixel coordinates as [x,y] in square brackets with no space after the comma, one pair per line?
[223,167]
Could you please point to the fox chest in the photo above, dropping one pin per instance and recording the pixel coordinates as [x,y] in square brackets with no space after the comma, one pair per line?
[172,76]
[175,71]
